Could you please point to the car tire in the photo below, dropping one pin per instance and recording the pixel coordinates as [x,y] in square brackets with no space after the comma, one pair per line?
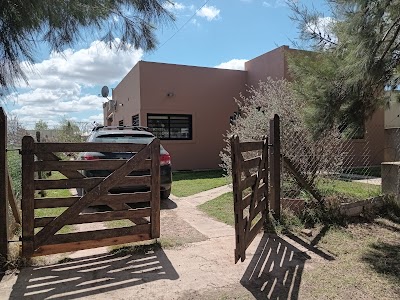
[165,194]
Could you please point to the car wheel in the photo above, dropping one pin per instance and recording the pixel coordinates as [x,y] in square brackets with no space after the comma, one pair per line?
[165,194]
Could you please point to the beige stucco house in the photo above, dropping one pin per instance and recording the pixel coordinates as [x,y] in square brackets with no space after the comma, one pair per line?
[189,108]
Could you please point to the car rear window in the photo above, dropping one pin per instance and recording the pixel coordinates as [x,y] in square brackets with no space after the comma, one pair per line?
[124,138]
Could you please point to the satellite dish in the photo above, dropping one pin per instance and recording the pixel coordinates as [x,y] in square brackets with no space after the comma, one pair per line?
[104,91]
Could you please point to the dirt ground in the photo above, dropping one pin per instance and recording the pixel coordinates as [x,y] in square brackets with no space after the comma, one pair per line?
[196,262]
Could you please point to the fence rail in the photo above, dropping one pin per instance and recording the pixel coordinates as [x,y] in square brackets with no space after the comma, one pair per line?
[41,236]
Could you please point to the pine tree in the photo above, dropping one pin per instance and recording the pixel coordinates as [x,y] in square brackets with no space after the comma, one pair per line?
[354,61]
[60,23]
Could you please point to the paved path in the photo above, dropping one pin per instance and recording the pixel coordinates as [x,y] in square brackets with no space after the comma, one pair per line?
[188,272]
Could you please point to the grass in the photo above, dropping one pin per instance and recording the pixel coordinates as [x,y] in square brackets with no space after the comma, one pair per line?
[374,171]
[348,189]
[189,183]
[220,208]
[366,265]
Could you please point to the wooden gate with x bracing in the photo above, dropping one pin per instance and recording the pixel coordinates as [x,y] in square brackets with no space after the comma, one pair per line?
[42,235]
[250,191]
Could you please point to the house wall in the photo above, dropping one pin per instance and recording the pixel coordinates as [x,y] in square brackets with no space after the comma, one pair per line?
[271,64]
[370,149]
[205,93]
[208,95]
[127,96]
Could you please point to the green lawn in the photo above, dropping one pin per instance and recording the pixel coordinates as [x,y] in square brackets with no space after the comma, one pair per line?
[220,208]
[348,189]
[189,183]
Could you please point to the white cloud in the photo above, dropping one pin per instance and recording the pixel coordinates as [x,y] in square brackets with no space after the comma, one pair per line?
[323,26]
[208,12]
[96,65]
[174,6]
[61,84]
[233,64]
[274,3]
[195,22]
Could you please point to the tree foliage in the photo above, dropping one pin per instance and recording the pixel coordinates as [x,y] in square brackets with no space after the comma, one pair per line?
[15,131]
[354,61]
[68,131]
[60,23]
[41,125]
[311,156]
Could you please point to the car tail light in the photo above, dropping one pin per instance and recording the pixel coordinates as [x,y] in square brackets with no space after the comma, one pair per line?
[90,157]
[165,159]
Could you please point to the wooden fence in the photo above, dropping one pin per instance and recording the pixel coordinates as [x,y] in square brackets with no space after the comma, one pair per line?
[41,236]
[7,197]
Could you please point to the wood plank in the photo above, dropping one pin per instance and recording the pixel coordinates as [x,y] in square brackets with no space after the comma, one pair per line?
[12,201]
[254,231]
[50,184]
[70,165]
[75,246]
[100,190]
[99,217]
[27,202]
[74,174]
[255,190]
[123,198]
[302,180]
[259,207]
[3,186]
[251,163]
[155,189]
[275,167]
[89,182]
[98,234]
[236,158]
[49,202]
[250,146]
[87,147]
[247,198]
[250,181]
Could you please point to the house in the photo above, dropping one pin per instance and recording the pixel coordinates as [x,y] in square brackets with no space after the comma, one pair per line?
[189,108]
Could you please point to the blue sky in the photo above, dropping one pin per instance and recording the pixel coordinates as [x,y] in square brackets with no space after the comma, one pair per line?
[223,33]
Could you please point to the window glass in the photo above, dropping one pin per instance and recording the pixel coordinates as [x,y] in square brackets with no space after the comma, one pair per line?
[171,127]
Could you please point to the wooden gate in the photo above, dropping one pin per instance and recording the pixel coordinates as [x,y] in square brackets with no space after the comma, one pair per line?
[41,234]
[250,189]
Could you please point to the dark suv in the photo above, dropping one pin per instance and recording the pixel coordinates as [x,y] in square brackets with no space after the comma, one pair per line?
[127,134]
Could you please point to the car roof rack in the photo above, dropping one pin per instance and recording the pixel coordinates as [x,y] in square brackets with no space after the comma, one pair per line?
[102,127]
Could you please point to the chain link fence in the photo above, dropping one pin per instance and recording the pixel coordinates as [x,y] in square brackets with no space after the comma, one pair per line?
[342,165]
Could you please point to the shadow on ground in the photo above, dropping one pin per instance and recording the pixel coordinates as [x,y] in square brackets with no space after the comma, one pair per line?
[92,275]
[276,268]
[385,259]
[168,204]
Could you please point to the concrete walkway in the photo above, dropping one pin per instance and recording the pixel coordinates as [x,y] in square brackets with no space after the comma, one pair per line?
[191,272]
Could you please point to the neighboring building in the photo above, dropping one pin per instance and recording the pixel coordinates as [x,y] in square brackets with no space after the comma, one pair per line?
[190,107]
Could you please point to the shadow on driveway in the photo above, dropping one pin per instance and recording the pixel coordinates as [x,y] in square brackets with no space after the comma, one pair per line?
[92,275]
[275,270]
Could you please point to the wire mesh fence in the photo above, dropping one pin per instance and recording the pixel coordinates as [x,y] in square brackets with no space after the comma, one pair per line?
[342,164]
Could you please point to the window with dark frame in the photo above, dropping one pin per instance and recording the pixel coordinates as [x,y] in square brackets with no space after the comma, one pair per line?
[170,127]
[121,123]
[135,120]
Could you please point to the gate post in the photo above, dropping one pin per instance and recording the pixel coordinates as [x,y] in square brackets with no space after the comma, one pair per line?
[28,195]
[155,189]
[3,187]
[275,166]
